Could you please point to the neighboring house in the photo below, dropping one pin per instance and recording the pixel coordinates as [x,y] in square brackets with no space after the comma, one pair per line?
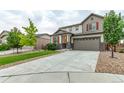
[42,41]
[87,35]
[3,37]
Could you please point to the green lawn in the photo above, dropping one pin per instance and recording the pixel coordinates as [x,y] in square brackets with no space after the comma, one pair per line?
[19,57]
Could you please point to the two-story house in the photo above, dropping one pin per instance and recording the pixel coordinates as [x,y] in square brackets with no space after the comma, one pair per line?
[87,35]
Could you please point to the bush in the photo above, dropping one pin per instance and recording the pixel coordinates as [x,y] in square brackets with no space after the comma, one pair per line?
[4,47]
[51,46]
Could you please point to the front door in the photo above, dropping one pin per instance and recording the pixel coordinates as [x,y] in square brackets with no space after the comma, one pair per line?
[64,38]
[63,45]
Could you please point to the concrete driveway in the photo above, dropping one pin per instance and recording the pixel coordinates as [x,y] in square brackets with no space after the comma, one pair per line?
[69,61]
[67,67]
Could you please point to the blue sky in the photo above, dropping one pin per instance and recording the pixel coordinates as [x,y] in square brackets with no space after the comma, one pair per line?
[46,21]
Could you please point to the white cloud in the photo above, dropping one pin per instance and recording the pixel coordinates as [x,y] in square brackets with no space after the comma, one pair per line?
[46,21]
[69,17]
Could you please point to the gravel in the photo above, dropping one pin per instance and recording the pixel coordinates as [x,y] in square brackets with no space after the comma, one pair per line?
[106,64]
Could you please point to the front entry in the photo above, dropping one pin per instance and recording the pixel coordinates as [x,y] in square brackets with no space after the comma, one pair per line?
[63,45]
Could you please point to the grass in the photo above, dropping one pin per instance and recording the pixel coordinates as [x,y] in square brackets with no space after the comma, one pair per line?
[20,57]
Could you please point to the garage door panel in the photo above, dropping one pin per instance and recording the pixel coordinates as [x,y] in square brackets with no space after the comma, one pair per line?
[87,44]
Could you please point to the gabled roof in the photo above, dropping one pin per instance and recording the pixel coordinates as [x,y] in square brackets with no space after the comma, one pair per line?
[92,14]
[44,34]
[70,26]
[2,33]
[64,32]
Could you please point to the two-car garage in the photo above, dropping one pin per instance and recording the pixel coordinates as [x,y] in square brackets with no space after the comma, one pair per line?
[89,43]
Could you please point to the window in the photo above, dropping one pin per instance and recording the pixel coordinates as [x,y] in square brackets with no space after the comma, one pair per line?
[92,18]
[87,27]
[55,39]
[94,26]
[58,39]
[70,29]
[76,28]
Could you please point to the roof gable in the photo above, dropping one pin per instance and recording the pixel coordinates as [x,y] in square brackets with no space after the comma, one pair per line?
[61,32]
[92,14]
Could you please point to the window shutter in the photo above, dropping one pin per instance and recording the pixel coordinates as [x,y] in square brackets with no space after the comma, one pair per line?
[97,25]
[87,27]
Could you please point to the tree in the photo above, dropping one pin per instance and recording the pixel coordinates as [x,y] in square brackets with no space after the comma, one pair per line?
[29,38]
[13,38]
[113,26]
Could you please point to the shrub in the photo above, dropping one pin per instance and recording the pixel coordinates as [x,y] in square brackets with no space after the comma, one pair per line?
[4,47]
[51,46]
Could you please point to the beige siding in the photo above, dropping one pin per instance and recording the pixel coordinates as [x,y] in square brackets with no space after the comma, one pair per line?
[86,36]
[95,19]
[41,43]
[74,29]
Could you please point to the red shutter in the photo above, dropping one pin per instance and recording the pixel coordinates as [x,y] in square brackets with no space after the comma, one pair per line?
[97,25]
[58,39]
[87,27]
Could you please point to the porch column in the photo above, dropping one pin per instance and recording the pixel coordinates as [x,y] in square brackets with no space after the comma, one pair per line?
[67,38]
[60,39]
[68,41]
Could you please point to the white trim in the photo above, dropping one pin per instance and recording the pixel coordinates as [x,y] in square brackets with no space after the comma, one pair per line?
[60,39]
[67,38]
[98,35]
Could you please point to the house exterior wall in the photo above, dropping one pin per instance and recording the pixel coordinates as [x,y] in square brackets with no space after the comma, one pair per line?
[96,35]
[61,39]
[92,19]
[74,29]
[95,30]
[42,41]
[45,37]
[3,37]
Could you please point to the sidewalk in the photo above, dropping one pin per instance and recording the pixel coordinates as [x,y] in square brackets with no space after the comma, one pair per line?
[2,53]
[63,77]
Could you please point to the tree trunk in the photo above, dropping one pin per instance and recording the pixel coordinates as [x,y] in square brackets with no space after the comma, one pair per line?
[112,52]
[114,48]
[13,50]
[17,50]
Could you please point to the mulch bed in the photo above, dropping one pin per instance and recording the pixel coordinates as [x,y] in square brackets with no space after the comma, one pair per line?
[106,64]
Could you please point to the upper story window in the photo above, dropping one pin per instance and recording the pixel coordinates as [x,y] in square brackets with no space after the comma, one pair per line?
[70,29]
[92,18]
[92,26]
[76,28]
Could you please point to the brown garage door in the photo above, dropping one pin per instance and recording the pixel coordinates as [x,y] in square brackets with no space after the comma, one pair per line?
[87,43]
